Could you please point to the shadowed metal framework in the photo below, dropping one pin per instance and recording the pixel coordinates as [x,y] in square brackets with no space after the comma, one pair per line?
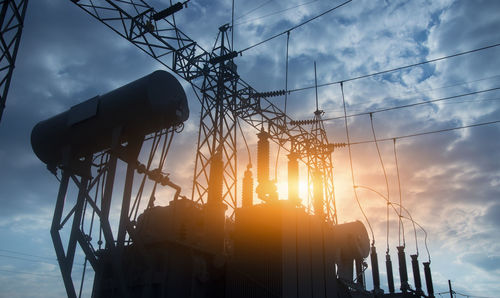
[11,26]
[224,96]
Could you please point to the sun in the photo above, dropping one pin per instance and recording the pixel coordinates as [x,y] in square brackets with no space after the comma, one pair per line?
[282,186]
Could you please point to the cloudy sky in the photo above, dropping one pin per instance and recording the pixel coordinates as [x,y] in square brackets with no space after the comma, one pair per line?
[450,182]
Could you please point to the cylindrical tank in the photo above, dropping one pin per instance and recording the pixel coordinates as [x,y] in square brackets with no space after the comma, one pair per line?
[141,107]
[352,242]
[352,239]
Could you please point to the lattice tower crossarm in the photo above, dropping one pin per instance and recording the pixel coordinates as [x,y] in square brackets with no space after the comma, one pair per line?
[163,41]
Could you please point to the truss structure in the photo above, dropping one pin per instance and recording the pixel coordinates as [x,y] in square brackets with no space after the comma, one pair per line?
[225,95]
[11,28]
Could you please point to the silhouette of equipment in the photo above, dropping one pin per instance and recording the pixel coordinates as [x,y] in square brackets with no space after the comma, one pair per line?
[144,106]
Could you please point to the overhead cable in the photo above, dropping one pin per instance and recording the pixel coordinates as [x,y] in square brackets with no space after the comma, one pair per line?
[426,133]
[400,197]
[352,168]
[410,218]
[253,9]
[412,104]
[30,273]
[397,68]
[294,27]
[276,12]
[385,176]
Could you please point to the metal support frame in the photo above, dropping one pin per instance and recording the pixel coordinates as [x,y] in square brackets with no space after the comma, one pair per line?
[162,40]
[11,28]
[217,133]
[80,233]
[320,166]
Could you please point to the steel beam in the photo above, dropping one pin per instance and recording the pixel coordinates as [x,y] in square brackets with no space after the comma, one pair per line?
[11,28]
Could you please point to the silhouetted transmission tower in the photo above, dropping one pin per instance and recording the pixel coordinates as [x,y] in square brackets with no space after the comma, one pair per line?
[11,20]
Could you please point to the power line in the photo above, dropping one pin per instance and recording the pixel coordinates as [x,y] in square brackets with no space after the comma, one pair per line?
[466,295]
[294,27]
[28,255]
[385,176]
[352,169]
[397,68]
[400,198]
[253,9]
[419,92]
[25,259]
[426,133]
[276,12]
[31,260]
[30,273]
[453,85]
[412,104]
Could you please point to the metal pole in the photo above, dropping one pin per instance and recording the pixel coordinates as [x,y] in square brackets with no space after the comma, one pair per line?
[449,286]
[75,228]
[56,239]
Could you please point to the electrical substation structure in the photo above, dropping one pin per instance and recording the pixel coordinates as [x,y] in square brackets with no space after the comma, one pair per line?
[11,27]
[214,243]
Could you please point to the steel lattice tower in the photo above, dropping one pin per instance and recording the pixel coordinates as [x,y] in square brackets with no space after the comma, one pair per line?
[11,21]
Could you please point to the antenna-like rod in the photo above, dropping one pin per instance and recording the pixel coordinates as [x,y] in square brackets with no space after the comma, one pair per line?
[232,27]
[316,86]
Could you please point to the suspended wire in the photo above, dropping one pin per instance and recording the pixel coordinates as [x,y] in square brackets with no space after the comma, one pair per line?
[276,164]
[426,133]
[419,92]
[467,295]
[472,100]
[294,27]
[245,141]
[30,273]
[415,231]
[276,12]
[286,100]
[352,169]
[412,104]
[443,103]
[452,85]
[400,197]
[28,255]
[286,69]
[26,259]
[410,218]
[397,68]
[385,176]
[253,9]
